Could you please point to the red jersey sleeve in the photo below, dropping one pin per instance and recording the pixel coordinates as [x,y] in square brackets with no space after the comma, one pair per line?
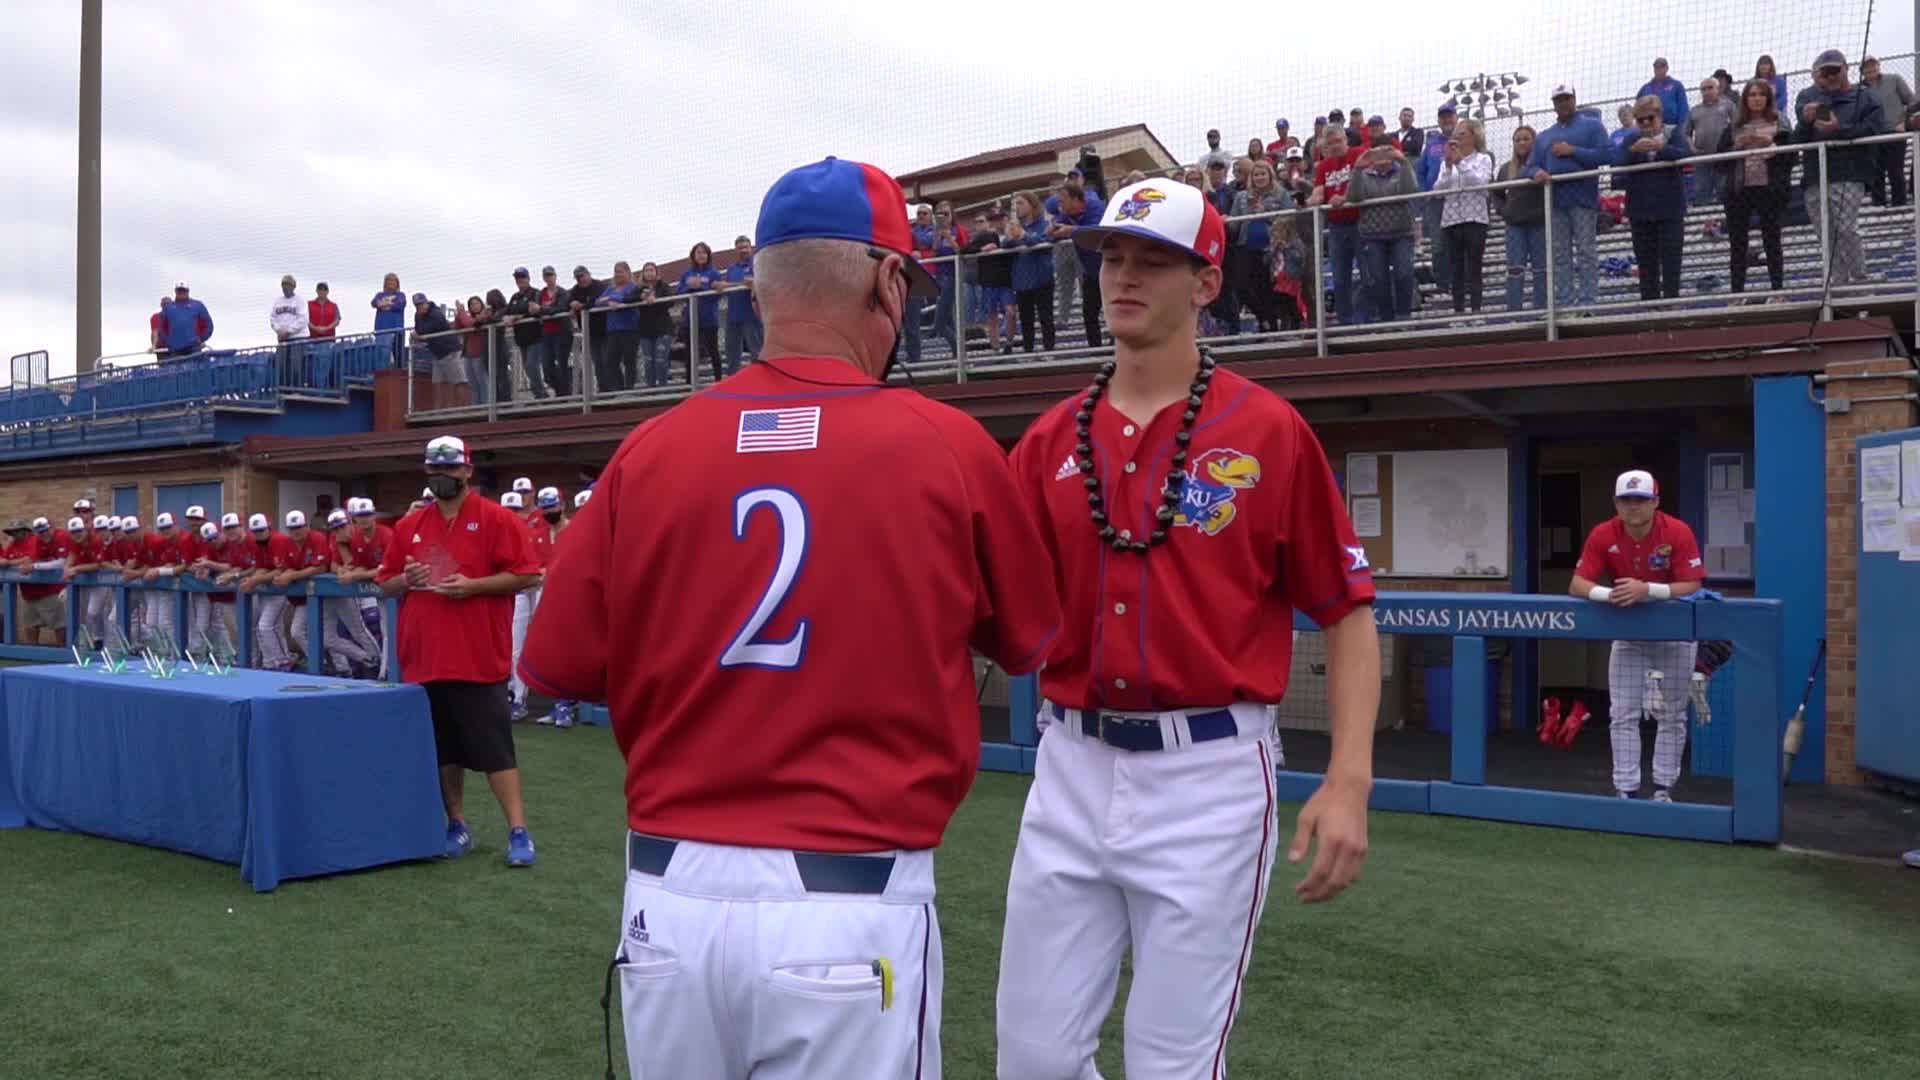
[509,544]
[1593,558]
[566,653]
[393,561]
[1687,564]
[1323,564]
[1017,614]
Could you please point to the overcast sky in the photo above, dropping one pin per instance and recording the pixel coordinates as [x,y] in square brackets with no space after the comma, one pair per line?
[339,139]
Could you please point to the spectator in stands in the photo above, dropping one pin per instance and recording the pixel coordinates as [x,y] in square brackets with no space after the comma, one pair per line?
[1386,230]
[623,330]
[1433,153]
[1224,312]
[1706,123]
[502,358]
[1356,126]
[1214,153]
[1756,186]
[323,315]
[1575,142]
[556,330]
[1032,269]
[656,325]
[1896,102]
[1242,168]
[1331,177]
[1251,241]
[288,318]
[1835,110]
[1656,200]
[523,315]
[1286,265]
[1725,79]
[700,276]
[744,331]
[1524,211]
[579,298]
[1671,92]
[1278,147]
[1377,131]
[473,318]
[1764,70]
[1628,130]
[185,324]
[157,326]
[390,315]
[946,245]
[1318,140]
[923,250]
[994,299]
[1410,136]
[1294,175]
[1219,185]
[430,329]
[1093,173]
[1465,171]
[1081,207]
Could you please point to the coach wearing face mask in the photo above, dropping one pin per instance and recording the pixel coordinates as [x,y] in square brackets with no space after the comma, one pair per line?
[460,560]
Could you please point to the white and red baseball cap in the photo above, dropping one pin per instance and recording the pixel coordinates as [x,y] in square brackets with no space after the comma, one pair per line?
[164,521]
[83,505]
[76,524]
[296,520]
[209,531]
[513,500]
[101,522]
[580,500]
[196,512]
[259,523]
[1636,484]
[337,519]
[229,521]
[447,450]
[360,507]
[523,484]
[129,524]
[548,499]
[1174,214]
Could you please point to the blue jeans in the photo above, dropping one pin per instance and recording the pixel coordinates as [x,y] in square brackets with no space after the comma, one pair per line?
[1343,241]
[1437,243]
[478,380]
[1574,255]
[743,337]
[533,358]
[1526,246]
[910,333]
[657,352]
[1389,269]
[943,310]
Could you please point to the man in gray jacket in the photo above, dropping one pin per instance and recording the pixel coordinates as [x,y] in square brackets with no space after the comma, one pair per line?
[1896,101]
[1704,125]
[1386,229]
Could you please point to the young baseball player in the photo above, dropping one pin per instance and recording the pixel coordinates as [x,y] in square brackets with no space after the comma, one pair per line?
[1647,555]
[548,520]
[367,543]
[516,501]
[785,656]
[89,553]
[43,618]
[1186,513]
[271,552]
[130,553]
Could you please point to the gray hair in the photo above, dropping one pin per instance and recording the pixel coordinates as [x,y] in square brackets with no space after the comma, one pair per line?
[802,274]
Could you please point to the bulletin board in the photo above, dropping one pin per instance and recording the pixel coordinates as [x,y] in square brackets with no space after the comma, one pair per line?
[1727,546]
[1432,513]
[1887,586]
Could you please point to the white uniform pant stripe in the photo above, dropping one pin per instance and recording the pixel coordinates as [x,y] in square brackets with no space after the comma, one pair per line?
[1632,694]
[266,627]
[524,605]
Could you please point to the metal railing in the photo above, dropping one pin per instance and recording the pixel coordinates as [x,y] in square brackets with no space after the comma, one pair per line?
[1890,240]
[177,591]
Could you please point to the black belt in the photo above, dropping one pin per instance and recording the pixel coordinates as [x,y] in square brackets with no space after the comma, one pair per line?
[864,875]
[1138,733]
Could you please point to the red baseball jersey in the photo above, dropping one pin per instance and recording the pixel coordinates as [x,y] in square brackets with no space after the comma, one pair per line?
[56,544]
[367,550]
[234,555]
[469,640]
[311,550]
[161,550]
[89,548]
[191,547]
[1668,553]
[775,589]
[1205,619]
[545,536]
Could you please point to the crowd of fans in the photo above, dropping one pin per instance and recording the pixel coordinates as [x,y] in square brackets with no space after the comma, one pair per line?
[1016,281]
[248,553]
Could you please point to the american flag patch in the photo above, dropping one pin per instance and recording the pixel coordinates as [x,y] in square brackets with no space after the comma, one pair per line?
[767,430]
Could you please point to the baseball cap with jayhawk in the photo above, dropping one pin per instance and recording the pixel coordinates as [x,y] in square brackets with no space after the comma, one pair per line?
[843,200]
[1173,214]
[447,450]
[1636,484]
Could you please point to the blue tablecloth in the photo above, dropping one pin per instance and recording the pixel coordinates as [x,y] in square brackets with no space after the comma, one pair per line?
[286,776]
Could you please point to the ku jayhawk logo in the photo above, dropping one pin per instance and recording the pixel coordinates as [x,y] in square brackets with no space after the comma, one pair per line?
[1139,205]
[1661,558]
[1212,481]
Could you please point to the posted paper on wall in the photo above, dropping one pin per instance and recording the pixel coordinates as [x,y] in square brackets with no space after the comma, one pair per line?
[1366,518]
[1880,474]
[1363,474]
[1910,472]
[1880,526]
[1910,534]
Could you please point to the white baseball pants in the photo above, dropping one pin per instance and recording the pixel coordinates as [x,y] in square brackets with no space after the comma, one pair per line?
[729,969]
[355,647]
[1166,852]
[158,617]
[136,616]
[199,618]
[221,627]
[1650,677]
[99,612]
[266,633]
[524,604]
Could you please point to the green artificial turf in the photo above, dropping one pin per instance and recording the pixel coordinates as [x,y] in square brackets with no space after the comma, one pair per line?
[1469,950]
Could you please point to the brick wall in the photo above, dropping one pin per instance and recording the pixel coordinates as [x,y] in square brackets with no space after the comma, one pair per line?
[51,493]
[1843,535]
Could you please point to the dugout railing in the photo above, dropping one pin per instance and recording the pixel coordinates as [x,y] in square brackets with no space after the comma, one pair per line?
[1748,717]
[177,591]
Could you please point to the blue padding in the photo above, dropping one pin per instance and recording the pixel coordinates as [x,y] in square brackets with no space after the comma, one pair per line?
[1602,813]
[1005,757]
[1405,796]
[243,769]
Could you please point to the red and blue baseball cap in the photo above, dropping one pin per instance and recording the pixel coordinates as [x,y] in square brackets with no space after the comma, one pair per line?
[1162,210]
[842,200]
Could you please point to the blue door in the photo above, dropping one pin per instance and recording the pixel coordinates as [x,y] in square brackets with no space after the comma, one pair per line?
[175,498]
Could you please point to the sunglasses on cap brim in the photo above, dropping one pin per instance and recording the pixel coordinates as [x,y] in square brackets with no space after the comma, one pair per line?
[445,456]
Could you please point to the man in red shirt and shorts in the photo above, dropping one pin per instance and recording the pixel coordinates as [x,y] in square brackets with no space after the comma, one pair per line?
[459,561]
[1648,555]
[1186,513]
[781,633]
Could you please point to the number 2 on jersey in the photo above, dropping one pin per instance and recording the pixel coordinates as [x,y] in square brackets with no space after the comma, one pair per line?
[744,650]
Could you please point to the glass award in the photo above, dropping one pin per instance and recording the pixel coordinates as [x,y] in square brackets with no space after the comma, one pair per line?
[114,654]
[83,648]
[162,645]
[220,655]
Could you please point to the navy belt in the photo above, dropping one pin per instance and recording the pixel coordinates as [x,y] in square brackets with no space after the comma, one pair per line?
[820,872]
[1138,733]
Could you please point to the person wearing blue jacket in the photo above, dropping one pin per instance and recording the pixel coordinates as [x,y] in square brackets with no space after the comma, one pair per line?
[620,364]
[1032,269]
[1081,207]
[1426,169]
[700,276]
[1671,92]
[1836,110]
[744,332]
[1656,200]
[185,325]
[1575,143]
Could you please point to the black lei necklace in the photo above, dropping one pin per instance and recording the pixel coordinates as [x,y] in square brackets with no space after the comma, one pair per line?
[1176,472]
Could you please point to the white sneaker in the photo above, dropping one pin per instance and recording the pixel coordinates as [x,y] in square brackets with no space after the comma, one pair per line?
[1662,795]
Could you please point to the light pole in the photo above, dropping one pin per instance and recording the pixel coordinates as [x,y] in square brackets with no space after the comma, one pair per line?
[86,261]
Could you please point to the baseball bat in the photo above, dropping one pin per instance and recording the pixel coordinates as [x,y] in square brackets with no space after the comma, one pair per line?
[1797,723]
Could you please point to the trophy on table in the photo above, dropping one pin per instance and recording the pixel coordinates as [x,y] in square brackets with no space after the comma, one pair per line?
[162,655]
[83,648]
[114,653]
[220,656]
